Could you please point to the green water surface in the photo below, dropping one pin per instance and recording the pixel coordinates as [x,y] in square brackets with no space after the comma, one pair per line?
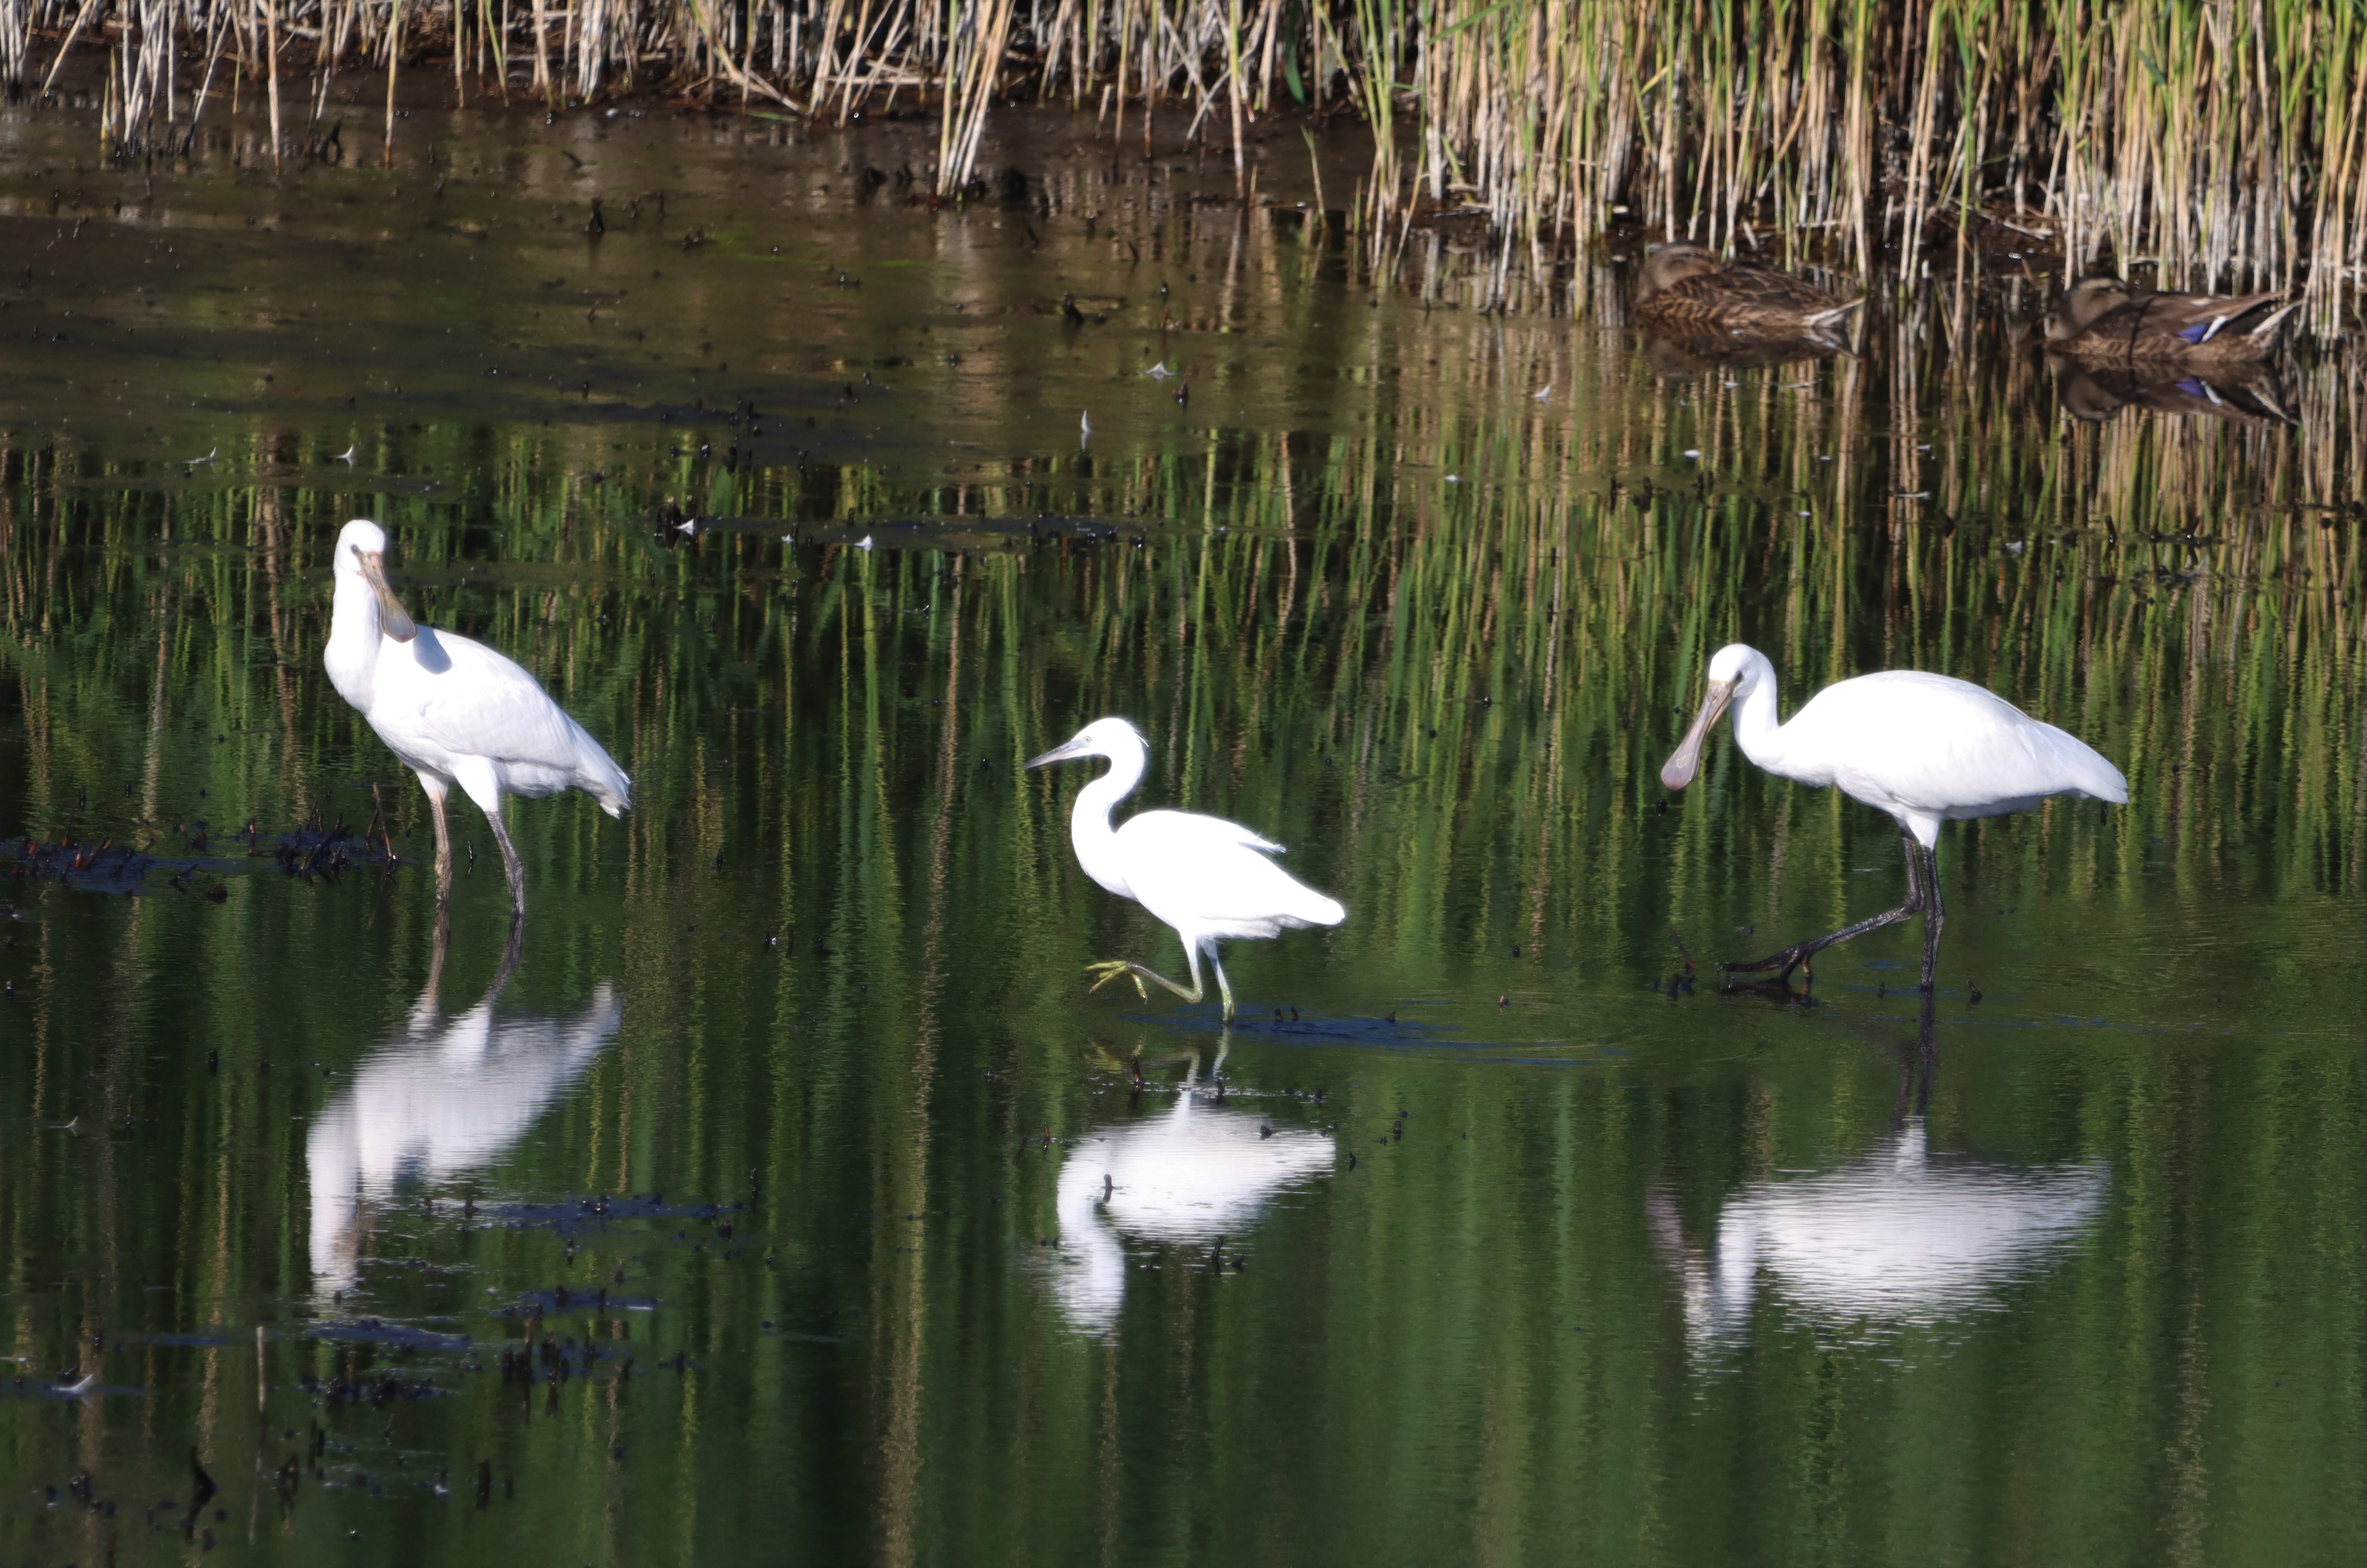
[789,1198]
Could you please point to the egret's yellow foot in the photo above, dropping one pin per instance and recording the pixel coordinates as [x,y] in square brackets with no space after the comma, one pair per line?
[1114,969]
[1111,968]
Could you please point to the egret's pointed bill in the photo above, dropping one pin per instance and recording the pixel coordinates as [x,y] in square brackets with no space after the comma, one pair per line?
[1686,760]
[393,619]
[1062,753]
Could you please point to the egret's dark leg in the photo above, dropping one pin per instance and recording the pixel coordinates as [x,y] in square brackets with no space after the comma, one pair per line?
[1223,989]
[1796,955]
[1934,916]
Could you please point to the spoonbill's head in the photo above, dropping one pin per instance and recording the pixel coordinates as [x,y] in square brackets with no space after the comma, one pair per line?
[1666,265]
[1733,669]
[1110,738]
[361,554]
[2085,303]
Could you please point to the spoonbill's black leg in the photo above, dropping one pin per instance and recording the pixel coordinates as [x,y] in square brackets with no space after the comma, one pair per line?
[512,867]
[436,789]
[1933,917]
[1918,861]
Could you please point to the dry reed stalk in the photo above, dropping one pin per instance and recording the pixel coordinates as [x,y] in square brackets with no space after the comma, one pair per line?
[271,47]
[393,63]
[969,86]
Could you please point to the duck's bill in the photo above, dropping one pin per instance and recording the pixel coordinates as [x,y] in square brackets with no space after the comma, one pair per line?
[392,618]
[1060,753]
[1686,760]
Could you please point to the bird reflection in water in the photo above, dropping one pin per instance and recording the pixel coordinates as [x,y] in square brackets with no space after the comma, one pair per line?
[1196,1174]
[1676,353]
[449,1095]
[2247,394]
[1898,1237]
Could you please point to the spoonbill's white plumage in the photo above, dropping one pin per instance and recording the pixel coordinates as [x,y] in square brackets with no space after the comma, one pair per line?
[1210,879]
[1927,749]
[453,710]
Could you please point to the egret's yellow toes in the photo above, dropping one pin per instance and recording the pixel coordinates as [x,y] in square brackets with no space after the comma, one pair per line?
[1113,968]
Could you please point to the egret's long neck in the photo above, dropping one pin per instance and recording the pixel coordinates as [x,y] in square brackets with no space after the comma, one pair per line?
[1755,728]
[1089,822]
[351,656]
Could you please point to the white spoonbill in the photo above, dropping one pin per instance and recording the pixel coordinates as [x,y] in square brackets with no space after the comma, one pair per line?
[454,711]
[1208,878]
[1927,749]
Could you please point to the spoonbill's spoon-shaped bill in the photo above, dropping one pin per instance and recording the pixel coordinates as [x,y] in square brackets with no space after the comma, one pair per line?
[454,711]
[1927,749]
[1210,879]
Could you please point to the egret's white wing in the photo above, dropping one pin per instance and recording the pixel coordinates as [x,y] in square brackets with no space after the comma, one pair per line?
[1203,871]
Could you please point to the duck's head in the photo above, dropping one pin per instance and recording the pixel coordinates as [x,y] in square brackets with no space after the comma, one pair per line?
[1666,265]
[2085,303]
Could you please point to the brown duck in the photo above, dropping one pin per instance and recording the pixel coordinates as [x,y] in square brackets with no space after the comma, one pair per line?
[2104,319]
[1686,288]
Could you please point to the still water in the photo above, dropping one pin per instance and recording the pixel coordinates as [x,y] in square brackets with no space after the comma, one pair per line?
[784,1194]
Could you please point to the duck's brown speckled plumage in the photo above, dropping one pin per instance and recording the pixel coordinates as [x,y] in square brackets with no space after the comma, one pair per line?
[2103,319]
[1686,288]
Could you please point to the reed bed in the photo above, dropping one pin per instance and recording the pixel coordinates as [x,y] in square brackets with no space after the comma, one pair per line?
[2188,599]
[2221,145]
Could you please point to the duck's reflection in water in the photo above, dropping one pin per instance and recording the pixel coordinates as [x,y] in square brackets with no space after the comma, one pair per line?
[2241,393]
[1898,1237]
[449,1095]
[1190,1175]
[1675,353]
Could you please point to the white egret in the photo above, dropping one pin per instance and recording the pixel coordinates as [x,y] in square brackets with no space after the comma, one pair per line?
[1927,749]
[1208,878]
[454,711]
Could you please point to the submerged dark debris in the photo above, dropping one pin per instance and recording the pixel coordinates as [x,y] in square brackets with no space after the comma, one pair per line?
[108,866]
